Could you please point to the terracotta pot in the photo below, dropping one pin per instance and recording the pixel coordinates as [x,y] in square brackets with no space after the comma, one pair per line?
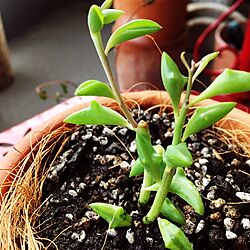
[139,64]
[171,16]
[25,150]
[138,60]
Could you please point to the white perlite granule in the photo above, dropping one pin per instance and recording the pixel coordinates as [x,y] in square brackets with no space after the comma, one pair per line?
[79,237]
[132,147]
[130,236]
[245,222]
[69,216]
[243,196]
[200,226]
[230,235]
[229,223]
[72,193]
[112,232]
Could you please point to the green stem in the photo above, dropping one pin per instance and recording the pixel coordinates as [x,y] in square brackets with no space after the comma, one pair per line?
[160,195]
[169,172]
[97,39]
[144,194]
[184,109]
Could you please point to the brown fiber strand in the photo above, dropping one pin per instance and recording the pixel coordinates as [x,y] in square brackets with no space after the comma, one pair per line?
[21,206]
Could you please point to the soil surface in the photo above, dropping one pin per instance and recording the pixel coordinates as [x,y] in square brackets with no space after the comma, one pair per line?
[94,167]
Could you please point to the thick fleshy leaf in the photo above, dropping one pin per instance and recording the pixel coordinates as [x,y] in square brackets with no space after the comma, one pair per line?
[97,114]
[169,210]
[131,30]
[95,19]
[138,168]
[173,80]
[228,82]
[94,88]
[116,216]
[111,15]
[183,187]
[178,156]
[204,62]
[153,187]
[174,238]
[107,4]
[149,158]
[204,117]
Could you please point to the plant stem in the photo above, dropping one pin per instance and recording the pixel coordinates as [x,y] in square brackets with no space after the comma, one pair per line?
[169,172]
[144,194]
[97,39]
[184,109]
[160,195]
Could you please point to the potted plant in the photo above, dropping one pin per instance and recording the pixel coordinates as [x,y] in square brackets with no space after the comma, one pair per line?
[64,218]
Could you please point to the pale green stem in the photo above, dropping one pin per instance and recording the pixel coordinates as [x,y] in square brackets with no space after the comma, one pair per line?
[169,172]
[144,194]
[160,195]
[97,39]
[184,109]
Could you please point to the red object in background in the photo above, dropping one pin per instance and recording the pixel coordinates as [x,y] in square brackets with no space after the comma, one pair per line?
[245,53]
[244,64]
[242,61]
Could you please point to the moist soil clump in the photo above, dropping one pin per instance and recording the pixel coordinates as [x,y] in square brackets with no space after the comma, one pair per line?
[94,166]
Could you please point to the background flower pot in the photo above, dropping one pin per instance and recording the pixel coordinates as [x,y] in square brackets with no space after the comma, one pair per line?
[171,16]
[140,56]
[137,63]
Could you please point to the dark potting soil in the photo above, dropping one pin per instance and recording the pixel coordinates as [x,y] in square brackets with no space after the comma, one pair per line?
[94,167]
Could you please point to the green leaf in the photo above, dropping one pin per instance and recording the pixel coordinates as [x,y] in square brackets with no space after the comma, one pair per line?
[178,156]
[107,4]
[64,88]
[95,19]
[204,62]
[94,88]
[153,187]
[169,210]
[43,95]
[173,80]
[204,117]
[149,158]
[116,216]
[228,82]
[138,168]
[173,236]
[97,114]
[111,15]
[131,30]
[183,187]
